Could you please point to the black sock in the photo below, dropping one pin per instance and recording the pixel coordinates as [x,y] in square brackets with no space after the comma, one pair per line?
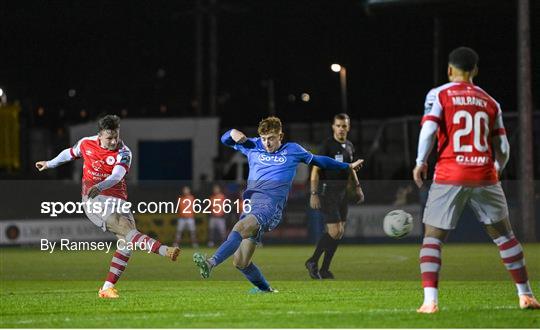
[329,253]
[322,245]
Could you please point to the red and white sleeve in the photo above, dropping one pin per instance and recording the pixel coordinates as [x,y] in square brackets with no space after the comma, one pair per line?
[432,107]
[75,151]
[500,143]
[124,158]
[498,127]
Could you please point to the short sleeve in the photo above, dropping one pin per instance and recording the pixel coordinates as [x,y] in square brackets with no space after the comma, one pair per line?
[323,149]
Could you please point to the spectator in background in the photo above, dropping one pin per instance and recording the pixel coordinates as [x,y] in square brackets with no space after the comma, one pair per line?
[217,222]
[186,217]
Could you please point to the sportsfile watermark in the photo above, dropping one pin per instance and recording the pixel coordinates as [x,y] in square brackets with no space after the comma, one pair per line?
[107,206]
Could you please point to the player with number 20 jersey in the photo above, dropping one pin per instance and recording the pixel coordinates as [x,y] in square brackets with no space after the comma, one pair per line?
[472,152]
[468,119]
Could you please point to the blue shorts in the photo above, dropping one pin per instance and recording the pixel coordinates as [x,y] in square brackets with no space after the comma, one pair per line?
[266,209]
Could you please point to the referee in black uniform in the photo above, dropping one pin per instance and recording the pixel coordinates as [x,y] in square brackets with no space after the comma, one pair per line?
[331,196]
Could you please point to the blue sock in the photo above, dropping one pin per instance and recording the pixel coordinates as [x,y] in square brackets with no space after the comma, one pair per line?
[227,248]
[254,275]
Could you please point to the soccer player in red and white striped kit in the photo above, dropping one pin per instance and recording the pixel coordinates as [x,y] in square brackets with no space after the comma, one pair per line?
[469,128]
[106,162]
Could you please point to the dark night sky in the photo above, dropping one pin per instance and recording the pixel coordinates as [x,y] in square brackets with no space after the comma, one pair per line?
[110,53]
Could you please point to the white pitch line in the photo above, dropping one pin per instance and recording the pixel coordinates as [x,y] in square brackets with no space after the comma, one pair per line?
[218,314]
[273,313]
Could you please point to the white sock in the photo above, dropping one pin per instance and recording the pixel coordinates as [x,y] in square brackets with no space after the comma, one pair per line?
[107,285]
[431,295]
[131,234]
[524,288]
[163,250]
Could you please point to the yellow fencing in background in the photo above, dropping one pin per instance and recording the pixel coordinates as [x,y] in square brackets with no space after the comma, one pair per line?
[163,227]
[9,136]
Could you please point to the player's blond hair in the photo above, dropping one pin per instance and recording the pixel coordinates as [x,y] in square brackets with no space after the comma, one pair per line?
[269,125]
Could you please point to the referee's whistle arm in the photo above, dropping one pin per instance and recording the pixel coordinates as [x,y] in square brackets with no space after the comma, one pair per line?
[357,164]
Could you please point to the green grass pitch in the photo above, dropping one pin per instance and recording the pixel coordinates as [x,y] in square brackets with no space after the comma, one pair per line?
[377,286]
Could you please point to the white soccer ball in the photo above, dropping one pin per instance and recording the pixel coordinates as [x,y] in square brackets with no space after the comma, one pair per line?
[397,223]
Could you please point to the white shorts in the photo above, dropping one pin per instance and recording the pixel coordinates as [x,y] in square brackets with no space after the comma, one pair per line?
[108,206]
[186,222]
[217,223]
[446,202]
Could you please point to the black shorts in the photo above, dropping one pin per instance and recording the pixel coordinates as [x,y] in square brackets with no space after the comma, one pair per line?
[334,206]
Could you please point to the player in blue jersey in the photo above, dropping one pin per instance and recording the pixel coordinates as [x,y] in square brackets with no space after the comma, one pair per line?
[272,166]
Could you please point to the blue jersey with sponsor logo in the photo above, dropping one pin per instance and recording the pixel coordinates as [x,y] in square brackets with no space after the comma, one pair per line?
[272,173]
[271,176]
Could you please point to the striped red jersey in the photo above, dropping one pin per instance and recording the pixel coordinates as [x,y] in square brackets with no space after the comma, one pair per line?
[468,119]
[99,163]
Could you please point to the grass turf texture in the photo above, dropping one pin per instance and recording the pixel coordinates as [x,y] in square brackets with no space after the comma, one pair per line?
[377,286]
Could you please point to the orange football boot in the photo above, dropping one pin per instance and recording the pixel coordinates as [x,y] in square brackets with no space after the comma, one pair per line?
[173,253]
[528,302]
[110,293]
[428,308]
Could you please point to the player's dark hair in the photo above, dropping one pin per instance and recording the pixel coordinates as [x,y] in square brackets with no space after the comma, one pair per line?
[109,122]
[463,58]
[342,116]
[269,125]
